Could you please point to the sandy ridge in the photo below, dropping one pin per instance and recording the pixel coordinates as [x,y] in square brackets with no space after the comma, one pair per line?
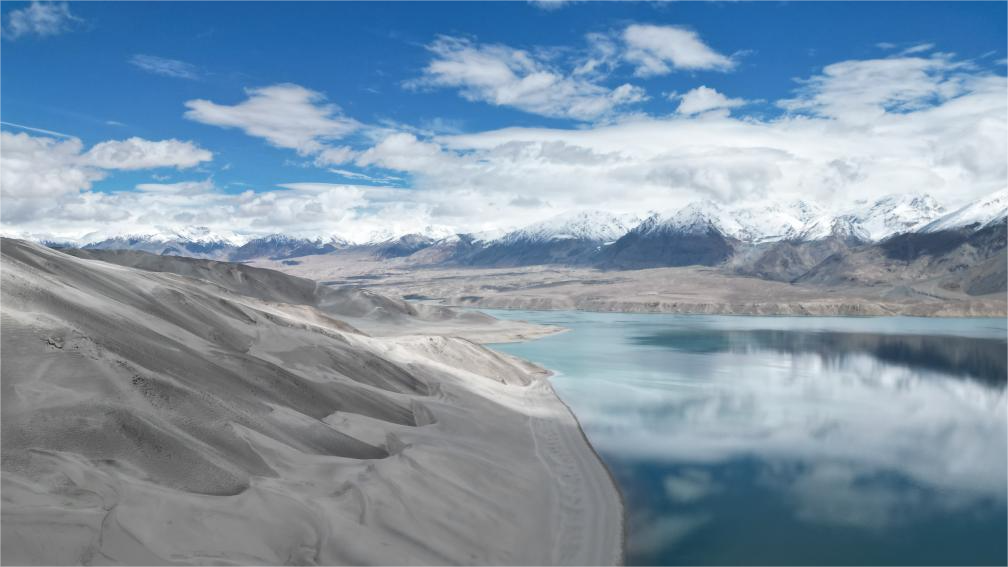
[155,418]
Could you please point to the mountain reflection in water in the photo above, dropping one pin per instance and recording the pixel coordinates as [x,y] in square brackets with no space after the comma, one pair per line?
[985,360]
[768,440]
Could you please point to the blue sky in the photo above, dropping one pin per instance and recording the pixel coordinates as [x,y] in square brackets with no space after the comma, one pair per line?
[389,116]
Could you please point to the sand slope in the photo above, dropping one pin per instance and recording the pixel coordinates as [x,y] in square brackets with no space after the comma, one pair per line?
[376,314]
[152,418]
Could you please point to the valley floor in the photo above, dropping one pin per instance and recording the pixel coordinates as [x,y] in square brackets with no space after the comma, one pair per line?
[661,290]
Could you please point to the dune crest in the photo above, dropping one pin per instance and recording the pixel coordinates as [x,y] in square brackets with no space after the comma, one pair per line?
[161,410]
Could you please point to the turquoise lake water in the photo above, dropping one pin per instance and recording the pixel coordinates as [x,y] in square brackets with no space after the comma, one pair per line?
[783,440]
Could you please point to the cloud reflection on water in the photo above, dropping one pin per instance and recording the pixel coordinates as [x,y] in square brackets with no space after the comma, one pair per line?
[790,429]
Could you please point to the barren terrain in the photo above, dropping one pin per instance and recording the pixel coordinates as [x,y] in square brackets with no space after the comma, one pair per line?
[177,411]
[666,290]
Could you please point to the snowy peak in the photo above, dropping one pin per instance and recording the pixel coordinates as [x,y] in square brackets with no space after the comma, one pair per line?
[596,226]
[392,235]
[697,218]
[280,246]
[892,214]
[980,214]
[895,214]
[775,222]
[204,235]
[751,224]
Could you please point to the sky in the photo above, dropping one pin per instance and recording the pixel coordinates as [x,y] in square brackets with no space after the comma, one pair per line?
[363,119]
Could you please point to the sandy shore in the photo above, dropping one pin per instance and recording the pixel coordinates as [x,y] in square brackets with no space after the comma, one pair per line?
[245,418]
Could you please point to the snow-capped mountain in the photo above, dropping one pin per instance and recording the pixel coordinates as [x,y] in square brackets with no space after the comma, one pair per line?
[700,218]
[594,226]
[775,221]
[766,223]
[403,246]
[701,232]
[843,227]
[202,234]
[704,232]
[985,212]
[697,218]
[696,234]
[897,214]
[281,246]
[162,244]
[889,215]
[388,235]
[571,238]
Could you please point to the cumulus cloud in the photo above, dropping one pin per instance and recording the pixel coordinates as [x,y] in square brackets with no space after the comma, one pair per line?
[657,50]
[285,115]
[137,153]
[854,130]
[38,167]
[42,167]
[705,99]
[952,145]
[40,19]
[504,76]
[165,67]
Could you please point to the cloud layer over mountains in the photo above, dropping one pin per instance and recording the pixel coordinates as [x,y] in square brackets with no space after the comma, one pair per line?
[919,121]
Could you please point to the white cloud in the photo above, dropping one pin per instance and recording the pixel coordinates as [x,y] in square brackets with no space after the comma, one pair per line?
[165,67]
[41,19]
[936,126]
[550,5]
[308,209]
[334,156]
[137,153]
[952,146]
[504,76]
[182,187]
[918,48]
[657,50]
[285,115]
[864,90]
[42,167]
[356,175]
[704,99]
[35,168]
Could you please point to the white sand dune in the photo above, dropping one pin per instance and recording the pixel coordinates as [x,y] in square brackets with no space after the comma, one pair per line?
[229,415]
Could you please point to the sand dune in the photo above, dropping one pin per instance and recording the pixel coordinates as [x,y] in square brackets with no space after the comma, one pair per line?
[162,410]
[377,314]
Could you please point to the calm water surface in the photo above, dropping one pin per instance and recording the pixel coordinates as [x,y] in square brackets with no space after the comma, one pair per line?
[778,440]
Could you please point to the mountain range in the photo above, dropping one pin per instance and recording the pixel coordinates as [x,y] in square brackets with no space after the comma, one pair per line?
[779,241]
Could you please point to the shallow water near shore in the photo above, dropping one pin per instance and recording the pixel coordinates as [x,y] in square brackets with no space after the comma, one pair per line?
[780,440]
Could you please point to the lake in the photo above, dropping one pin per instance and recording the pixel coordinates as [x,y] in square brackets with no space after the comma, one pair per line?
[786,440]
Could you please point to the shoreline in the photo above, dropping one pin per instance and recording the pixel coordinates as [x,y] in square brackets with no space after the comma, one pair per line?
[796,310]
[612,478]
